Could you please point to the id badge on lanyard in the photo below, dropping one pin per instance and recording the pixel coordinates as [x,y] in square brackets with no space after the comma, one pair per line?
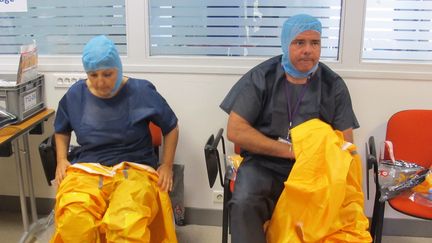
[292,112]
[286,139]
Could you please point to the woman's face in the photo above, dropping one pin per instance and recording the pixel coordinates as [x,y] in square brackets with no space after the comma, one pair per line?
[101,82]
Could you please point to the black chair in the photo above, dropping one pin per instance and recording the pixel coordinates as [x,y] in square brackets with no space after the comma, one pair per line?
[378,210]
[47,152]
[214,167]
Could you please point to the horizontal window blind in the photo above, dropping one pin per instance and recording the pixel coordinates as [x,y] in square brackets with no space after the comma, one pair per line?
[233,27]
[62,27]
[398,30]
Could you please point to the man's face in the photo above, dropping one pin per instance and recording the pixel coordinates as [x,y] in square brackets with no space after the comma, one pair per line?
[305,50]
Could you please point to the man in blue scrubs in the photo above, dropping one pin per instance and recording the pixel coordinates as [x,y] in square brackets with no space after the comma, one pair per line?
[264,105]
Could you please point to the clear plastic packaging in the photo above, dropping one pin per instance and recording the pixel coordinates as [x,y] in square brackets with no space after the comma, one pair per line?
[398,186]
[391,173]
[40,231]
[397,176]
[422,198]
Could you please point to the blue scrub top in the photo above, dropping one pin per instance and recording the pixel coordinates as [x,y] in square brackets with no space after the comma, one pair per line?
[259,97]
[113,130]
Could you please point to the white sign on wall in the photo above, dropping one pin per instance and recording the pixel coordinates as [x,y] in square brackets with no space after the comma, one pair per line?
[13,5]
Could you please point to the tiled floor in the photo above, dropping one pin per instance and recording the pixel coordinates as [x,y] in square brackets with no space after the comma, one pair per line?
[11,231]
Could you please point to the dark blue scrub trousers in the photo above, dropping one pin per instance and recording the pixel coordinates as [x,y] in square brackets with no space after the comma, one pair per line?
[258,185]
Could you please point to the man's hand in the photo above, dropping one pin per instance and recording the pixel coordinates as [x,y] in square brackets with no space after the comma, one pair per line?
[165,181]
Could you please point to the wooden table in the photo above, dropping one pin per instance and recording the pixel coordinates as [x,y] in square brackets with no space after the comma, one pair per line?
[9,137]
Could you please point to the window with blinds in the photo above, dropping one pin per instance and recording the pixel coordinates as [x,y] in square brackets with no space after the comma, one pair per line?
[398,30]
[234,27]
[62,27]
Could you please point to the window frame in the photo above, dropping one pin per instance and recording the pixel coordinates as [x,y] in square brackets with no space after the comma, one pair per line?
[138,60]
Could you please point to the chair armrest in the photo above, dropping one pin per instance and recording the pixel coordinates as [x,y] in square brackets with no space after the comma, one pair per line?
[371,163]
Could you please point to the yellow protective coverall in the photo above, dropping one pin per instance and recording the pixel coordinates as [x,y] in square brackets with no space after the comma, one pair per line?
[123,203]
[322,200]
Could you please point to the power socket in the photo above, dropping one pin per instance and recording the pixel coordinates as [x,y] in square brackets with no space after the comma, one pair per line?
[65,80]
[218,196]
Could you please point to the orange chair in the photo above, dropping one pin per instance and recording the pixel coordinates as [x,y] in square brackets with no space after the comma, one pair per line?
[410,132]
[156,134]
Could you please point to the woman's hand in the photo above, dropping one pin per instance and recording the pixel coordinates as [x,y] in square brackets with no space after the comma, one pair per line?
[165,181]
[60,174]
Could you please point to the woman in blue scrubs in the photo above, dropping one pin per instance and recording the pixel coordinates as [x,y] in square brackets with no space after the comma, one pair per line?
[113,190]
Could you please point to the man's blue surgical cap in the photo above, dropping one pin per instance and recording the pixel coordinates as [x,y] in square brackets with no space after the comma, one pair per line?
[291,28]
[101,53]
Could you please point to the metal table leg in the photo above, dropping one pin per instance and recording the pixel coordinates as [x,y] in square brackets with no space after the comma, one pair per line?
[24,213]
[29,177]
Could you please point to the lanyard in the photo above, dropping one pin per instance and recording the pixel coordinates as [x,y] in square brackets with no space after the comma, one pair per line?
[294,112]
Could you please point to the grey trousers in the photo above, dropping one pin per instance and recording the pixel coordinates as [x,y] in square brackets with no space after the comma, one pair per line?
[258,185]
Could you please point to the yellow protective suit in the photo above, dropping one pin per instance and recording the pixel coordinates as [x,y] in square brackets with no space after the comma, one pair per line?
[322,200]
[123,203]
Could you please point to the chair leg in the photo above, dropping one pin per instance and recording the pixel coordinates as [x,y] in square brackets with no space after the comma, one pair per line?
[225,212]
[374,218]
[380,223]
[377,220]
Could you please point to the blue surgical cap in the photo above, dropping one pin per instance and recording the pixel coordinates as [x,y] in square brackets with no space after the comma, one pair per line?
[291,28]
[101,53]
